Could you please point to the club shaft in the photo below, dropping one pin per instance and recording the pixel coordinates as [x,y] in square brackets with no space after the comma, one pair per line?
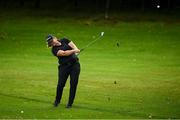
[91,43]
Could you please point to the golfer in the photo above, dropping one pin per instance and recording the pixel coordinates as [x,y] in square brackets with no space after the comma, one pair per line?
[65,50]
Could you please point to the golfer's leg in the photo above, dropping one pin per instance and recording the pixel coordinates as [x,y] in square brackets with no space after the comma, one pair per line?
[62,78]
[74,76]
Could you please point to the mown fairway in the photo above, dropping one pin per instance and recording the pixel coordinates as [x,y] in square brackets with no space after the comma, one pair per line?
[138,79]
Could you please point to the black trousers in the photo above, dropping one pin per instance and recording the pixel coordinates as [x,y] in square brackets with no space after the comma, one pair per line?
[72,70]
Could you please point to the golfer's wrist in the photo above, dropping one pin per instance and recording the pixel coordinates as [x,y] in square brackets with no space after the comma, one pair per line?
[75,50]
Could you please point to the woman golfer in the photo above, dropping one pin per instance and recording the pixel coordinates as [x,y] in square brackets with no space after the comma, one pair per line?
[65,50]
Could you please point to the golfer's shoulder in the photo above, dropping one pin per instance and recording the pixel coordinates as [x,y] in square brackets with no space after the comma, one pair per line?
[55,49]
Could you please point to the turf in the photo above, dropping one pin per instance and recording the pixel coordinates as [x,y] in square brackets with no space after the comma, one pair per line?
[138,79]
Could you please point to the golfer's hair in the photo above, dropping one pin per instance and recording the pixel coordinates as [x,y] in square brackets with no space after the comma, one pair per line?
[50,44]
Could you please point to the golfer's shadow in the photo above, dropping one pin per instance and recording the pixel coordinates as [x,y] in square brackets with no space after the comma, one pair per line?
[24,98]
[116,111]
[83,106]
[48,102]
[98,109]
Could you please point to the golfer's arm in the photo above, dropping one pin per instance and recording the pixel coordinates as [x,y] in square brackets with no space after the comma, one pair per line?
[73,46]
[65,53]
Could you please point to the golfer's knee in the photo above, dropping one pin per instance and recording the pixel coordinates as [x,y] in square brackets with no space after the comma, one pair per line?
[60,85]
[73,86]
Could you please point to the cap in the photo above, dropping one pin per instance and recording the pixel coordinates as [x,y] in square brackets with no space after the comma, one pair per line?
[49,39]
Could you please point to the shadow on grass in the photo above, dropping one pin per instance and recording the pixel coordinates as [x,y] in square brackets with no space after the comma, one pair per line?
[120,112]
[25,98]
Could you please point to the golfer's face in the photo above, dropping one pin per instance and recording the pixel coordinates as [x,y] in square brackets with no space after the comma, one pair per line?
[54,39]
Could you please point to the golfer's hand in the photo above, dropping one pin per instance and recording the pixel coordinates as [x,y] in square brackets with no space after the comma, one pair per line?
[77,51]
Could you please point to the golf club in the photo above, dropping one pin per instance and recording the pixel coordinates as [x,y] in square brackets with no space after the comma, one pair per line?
[92,42]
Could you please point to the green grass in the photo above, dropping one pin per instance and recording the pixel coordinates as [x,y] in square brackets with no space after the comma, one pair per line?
[145,66]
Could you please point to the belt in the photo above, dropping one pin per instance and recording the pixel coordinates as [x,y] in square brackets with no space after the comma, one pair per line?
[69,63]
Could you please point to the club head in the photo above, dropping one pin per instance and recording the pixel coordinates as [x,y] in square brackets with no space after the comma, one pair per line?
[102,33]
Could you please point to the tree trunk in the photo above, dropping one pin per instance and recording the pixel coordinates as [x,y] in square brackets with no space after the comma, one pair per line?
[107,9]
[76,4]
[143,5]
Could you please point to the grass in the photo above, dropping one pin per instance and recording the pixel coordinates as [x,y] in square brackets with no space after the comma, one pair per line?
[145,68]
